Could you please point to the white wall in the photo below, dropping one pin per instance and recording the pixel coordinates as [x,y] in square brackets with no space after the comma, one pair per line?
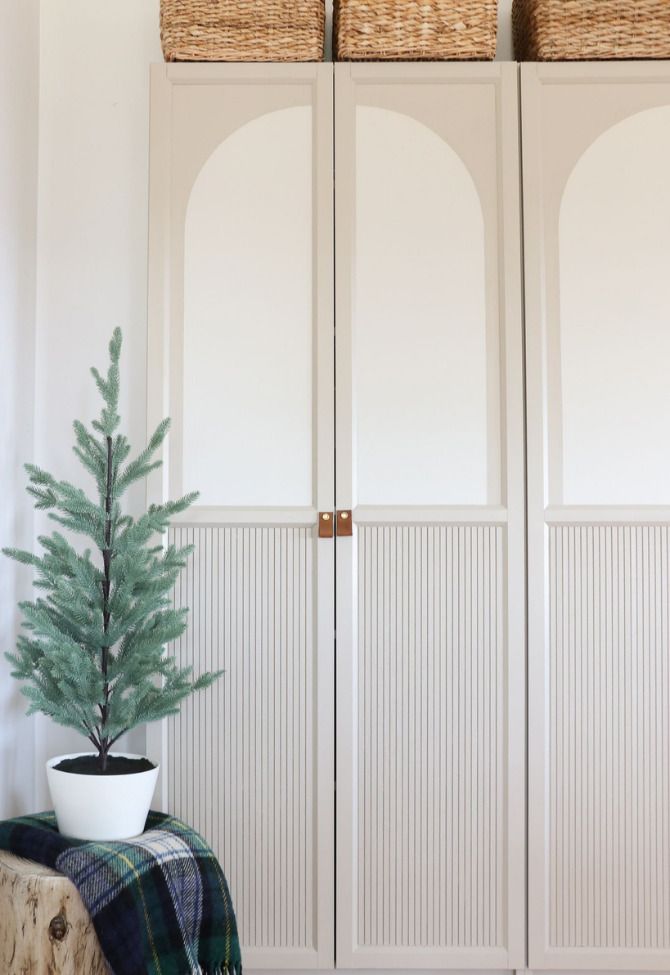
[92,233]
[505,50]
[18,184]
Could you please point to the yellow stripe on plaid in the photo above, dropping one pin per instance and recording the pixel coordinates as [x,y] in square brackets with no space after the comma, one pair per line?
[138,876]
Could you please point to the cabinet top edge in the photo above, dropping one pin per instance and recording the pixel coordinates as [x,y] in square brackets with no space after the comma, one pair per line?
[194,72]
[423,70]
[200,72]
[211,72]
[549,72]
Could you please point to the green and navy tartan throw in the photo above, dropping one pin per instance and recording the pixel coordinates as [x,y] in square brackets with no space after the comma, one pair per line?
[159,903]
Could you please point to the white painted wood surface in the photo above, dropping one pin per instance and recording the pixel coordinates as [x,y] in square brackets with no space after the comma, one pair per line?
[609,748]
[250,762]
[599,657]
[430,589]
[430,686]
[249,220]
[240,756]
[430,600]
[420,246]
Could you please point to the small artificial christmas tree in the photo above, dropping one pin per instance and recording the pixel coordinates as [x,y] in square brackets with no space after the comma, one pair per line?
[93,653]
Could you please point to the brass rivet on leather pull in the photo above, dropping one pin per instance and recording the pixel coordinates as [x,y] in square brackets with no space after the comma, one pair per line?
[325,524]
[58,927]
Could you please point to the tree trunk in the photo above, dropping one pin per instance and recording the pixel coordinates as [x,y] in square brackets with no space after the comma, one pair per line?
[44,927]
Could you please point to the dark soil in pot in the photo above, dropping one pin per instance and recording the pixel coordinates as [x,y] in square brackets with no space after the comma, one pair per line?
[116,765]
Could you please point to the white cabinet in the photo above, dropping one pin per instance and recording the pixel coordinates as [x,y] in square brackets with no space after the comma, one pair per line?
[336,324]
[241,358]
[430,589]
[596,181]
[429,416]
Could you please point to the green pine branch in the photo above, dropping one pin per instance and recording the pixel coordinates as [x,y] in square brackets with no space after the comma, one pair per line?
[93,651]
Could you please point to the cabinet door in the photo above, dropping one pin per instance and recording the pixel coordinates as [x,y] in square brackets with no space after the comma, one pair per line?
[597,243]
[430,587]
[241,357]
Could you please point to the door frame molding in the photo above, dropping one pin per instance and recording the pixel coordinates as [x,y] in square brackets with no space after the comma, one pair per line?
[315,83]
[543,510]
[504,79]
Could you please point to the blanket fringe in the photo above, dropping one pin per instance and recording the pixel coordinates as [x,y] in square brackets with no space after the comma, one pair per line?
[225,969]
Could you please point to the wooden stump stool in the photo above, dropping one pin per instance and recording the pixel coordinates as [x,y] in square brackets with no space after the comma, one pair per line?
[44,927]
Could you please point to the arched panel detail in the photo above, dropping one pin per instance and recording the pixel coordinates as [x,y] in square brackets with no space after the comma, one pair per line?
[423,432]
[248,311]
[614,254]
[245,132]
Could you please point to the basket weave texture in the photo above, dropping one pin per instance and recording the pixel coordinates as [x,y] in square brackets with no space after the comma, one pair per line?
[242,30]
[582,30]
[415,30]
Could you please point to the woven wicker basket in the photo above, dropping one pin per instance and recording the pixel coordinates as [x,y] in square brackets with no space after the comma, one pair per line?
[242,30]
[415,30]
[582,30]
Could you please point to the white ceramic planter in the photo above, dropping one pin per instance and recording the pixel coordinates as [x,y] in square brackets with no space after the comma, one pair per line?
[100,807]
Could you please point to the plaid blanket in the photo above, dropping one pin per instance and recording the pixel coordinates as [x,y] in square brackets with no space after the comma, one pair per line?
[159,903]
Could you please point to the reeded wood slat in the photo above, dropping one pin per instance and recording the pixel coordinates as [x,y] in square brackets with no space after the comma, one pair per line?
[609,735]
[431,715]
[241,754]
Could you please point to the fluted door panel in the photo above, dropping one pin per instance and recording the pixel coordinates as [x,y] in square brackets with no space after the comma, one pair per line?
[609,737]
[431,757]
[240,754]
